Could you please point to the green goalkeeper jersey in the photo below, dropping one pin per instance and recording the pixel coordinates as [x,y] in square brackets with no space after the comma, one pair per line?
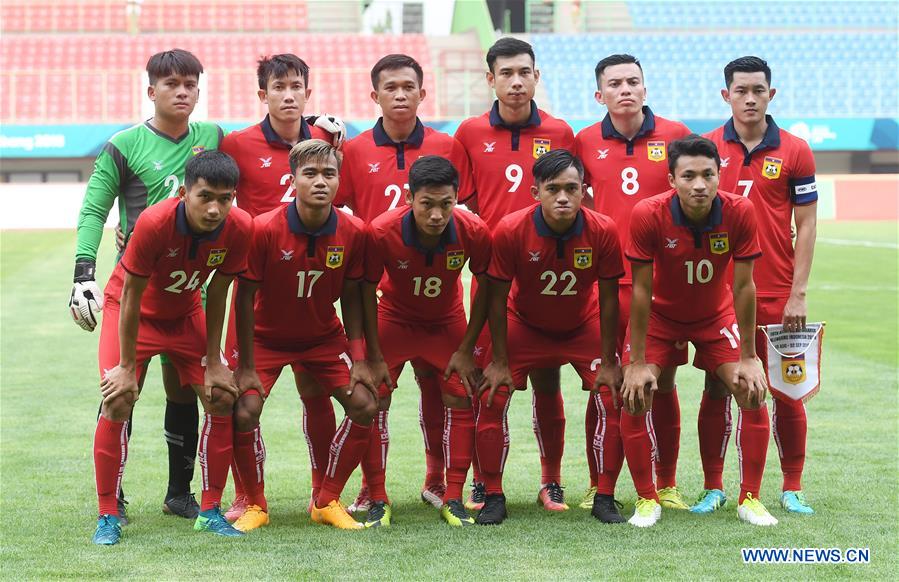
[138,166]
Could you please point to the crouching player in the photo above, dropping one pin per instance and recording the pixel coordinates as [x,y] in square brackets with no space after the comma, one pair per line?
[305,256]
[153,306]
[550,256]
[681,245]
[420,319]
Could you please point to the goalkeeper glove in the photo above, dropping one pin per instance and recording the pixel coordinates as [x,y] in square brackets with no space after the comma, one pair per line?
[332,124]
[86,301]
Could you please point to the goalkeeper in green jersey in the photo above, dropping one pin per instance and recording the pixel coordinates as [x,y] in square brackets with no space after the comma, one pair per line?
[139,167]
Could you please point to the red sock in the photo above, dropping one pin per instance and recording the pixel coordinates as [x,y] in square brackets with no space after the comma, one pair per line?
[591,418]
[548,413]
[492,440]
[666,421]
[235,474]
[347,448]
[215,454]
[606,452]
[458,442]
[249,459]
[319,425]
[713,426]
[110,454]
[752,449]
[475,466]
[430,417]
[374,460]
[640,450]
[790,427]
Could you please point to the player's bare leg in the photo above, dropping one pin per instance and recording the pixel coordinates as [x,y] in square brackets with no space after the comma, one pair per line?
[430,416]
[249,460]
[666,423]
[548,414]
[181,422]
[458,443]
[714,426]
[641,450]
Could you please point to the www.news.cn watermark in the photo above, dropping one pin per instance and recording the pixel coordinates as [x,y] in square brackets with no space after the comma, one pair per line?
[805,555]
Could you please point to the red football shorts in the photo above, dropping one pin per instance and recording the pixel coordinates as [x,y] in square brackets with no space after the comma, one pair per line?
[182,340]
[423,345]
[328,361]
[717,342]
[768,311]
[624,314]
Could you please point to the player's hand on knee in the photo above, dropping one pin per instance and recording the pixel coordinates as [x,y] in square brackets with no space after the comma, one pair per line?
[86,300]
[611,377]
[219,376]
[639,381]
[749,377]
[360,373]
[247,379]
[118,383]
[380,374]
[462,364]
[496,376]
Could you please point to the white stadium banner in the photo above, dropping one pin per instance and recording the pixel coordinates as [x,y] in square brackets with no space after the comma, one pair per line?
[794,360]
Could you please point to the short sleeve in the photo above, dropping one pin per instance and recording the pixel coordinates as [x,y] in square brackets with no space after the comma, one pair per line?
[577,149]
[239,243]
[502,262]
[641,244]
[609,265]
[256,257]
[346,189]
[143,248]
[374,257]
[567,137]
[803,186]
[355,268]
[746,247]
[481,249]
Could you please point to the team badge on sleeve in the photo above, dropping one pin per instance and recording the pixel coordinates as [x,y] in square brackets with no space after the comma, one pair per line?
[541,146]
[771,167]
[655,151]
[198,149]
[583,258]
[718,243]
[216,257]
[455,260]
[334,258]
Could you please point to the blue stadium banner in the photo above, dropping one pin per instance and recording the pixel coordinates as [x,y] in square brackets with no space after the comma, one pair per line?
[55,141]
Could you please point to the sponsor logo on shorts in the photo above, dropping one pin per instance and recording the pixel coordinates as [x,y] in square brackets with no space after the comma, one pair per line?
[718,243]
[334,258]
[655,151]
[216,257]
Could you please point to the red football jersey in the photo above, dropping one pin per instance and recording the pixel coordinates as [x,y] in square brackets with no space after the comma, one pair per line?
[502,157]
[301,274]
[777,175]
[691,273]
[554,276]
[423,286]
[262,157]
[176,260]
[623,172]
[375,169]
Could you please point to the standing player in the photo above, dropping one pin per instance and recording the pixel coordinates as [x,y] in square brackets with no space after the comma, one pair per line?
[683,245]
[305,256]
[624,162]
[140,167]
[776,170]
[266,182]
[550,257]
[503,145]
[153,305]
[375,173]
[420,318]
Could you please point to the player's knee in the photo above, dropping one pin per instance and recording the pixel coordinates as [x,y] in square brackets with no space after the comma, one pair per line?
[247,412]
[117,409]
[384,402]
[362,408]
[457,402]
[221,404]
[714,387]
[741,396]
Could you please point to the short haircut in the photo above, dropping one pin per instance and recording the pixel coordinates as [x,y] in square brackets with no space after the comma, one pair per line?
[279,66]
[508,47]
[392,63]
[432,171]
[311,150]
[553,163]
[692,145]
[612,60]
[746,65]
[175,61]
[216,167]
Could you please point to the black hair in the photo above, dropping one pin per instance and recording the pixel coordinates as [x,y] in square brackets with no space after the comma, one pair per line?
[175,61]
[692,145]
[746,65]
[508,47]
[432,171]
[393,62]
[553,163]
[612,60]
[311,149]
[279,66]
[216,167]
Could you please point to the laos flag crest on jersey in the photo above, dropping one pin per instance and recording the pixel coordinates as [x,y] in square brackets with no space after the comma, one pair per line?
[216,257]
[541,146]
[334,258]
[718,243]
[655,151]
[198,149]
[771,168]
[455,260]
[583,258]
[794,360]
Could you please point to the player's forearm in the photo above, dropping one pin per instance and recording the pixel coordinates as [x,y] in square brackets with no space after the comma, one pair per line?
[498,297]
[245,318]
[352,310]
[216,300]
[744,306]
[478,316]
[641,303]
[370,322]
[608,318]
[129,320]
[806,233]
[99,197]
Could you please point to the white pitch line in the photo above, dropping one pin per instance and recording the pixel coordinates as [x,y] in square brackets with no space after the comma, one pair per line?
[843,242]
[855,288]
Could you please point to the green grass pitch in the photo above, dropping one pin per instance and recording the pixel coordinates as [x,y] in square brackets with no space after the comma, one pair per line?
[50,396]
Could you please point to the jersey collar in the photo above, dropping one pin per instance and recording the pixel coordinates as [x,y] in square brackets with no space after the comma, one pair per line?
[543,229]
[497,121]
[184,228]
[680,219]
[178,139]
[771,139]
[649,125]
[382,139]
[295,223]
[410,235]
[272,137]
